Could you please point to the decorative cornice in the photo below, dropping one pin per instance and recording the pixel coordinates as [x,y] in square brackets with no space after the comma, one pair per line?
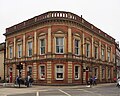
[58,16]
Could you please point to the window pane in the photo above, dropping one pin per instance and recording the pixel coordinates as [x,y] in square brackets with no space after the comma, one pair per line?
[87,50]
[42,72]
[59,45]
[19,50]
[77,47]
[59,71]
[11,50]
[29,48]
[76,72]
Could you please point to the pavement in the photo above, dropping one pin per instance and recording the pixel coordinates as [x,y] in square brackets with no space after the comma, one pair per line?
[73,86]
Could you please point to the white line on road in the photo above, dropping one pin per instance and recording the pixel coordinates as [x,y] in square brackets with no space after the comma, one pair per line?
[90,92]
[64,92]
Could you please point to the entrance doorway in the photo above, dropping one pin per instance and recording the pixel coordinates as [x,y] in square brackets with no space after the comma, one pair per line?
[10,74]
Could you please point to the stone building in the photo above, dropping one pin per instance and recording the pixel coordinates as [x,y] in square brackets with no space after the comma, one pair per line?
[2,46]
[59,47]
[117,60]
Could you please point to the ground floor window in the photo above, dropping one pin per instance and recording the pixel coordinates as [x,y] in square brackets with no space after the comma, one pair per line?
[77,72]
[109,73]
[42,72]
[59,72]
[96,72]
[103,73]
[29,70]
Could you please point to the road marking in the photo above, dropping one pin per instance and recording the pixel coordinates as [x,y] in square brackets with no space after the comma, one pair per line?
[64,92]
[91,92]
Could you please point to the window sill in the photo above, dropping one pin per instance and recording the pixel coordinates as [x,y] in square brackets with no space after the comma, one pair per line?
[59,79]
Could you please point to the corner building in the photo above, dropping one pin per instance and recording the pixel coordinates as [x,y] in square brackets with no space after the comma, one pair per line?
[59,47]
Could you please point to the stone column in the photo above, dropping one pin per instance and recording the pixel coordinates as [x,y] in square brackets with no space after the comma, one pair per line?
[70,72]
[49,72]
[69,40]
[49,39]
[35,71]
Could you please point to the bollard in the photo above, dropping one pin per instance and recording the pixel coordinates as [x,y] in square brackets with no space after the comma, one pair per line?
[37,94]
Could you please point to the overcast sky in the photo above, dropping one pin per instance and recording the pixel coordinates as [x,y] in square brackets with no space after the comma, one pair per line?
[104,14]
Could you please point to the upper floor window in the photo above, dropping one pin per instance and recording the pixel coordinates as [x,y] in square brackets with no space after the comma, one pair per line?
[59,72]
[87,50]
[42,46]
[19,50]
[108,56]
[59,44]
[77,49]
[96,52]
[29,48]
[77,72]
[102,54]
[10,52]
[42,72]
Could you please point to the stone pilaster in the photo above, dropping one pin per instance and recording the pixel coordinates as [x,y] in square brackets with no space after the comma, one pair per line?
[6,49]
[92,46]
[100,73]
[23,71]
[99,50]
[49,72]
[70,72]
[24,45]
[13,72]
[84,73]
[112,73]
[111,54]
[106,73]
[14,47]
[6,71]
[49,39]
[35,71]
[106,53]
[83,45]
[69,40]
[35,43]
